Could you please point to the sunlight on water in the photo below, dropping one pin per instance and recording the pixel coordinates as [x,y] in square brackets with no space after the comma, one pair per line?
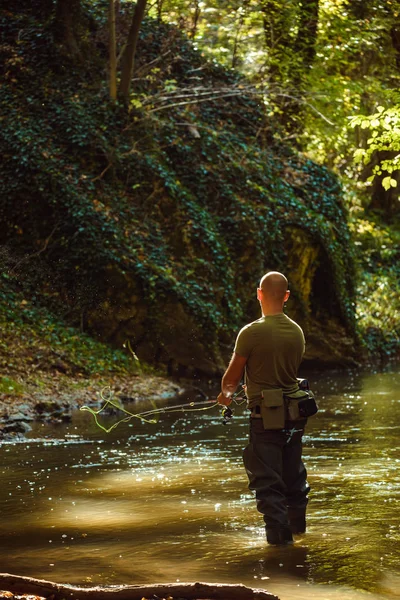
[168,502]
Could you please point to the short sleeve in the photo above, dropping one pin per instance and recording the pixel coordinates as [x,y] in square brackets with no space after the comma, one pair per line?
[244,342]
[303,338]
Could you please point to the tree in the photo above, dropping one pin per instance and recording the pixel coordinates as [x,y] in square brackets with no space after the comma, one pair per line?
[277,25]
[305,43]
[318,64]
[112,50]
[128,56]
[67,24]
[290,32]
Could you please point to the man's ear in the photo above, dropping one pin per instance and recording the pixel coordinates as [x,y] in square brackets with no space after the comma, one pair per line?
[287,296]
[259,294]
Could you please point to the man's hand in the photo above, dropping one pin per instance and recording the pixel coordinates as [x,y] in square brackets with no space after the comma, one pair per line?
[224,400]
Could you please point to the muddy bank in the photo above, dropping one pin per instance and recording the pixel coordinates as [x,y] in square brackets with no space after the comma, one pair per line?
[54,399]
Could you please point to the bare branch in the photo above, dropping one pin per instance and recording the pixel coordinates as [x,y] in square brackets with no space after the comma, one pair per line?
[145,67]
[103,172]
[209,99]
[46,243]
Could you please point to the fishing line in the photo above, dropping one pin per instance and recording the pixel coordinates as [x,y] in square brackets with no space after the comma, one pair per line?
[142,416]
[156,412]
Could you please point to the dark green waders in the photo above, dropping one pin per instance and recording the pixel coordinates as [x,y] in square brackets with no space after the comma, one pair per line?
[277,475]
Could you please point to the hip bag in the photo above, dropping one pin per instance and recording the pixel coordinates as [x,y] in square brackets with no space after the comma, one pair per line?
[277,407]
[300,406]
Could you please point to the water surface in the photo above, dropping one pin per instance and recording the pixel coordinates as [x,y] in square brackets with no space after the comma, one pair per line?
[169,502]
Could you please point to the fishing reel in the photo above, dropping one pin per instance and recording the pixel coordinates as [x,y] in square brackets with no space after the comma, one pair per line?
[227,415]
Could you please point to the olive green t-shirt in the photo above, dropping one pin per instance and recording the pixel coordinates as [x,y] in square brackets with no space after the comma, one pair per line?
[274,347]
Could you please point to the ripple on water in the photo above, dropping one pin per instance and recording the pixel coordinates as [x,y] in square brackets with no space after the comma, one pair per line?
[170,501]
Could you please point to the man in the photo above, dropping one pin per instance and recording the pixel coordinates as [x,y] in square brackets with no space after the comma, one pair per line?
[270,350]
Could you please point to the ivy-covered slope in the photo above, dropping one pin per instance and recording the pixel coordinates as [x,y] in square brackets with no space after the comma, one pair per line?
[155,224]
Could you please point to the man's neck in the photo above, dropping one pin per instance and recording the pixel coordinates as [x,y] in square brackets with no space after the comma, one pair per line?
[269,310]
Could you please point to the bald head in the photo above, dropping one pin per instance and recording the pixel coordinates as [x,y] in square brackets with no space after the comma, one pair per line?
[274,286]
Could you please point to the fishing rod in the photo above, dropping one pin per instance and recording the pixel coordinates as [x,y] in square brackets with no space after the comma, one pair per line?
[188,406]
[177,407]
[227,412]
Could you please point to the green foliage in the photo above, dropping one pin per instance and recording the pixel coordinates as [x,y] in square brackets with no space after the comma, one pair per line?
[354,69]
[187,196]
[10,387]
[32,336]
[384,129]
[378,301]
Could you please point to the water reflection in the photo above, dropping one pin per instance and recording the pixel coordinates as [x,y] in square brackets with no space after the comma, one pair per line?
[170,502]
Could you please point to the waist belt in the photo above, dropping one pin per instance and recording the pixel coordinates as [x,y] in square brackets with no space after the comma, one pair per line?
[255,412]
[276,407]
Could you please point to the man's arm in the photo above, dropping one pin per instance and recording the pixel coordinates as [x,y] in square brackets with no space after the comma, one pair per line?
[231,378]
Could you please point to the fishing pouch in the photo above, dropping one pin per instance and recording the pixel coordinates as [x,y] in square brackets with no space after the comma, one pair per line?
[300,405]
[273,409]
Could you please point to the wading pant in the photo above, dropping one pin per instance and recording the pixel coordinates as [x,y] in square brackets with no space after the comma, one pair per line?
[276,472]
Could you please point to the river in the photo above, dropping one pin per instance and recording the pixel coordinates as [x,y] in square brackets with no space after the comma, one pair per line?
[169,501]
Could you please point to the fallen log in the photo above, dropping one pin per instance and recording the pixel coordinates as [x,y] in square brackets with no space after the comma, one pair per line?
[190,591]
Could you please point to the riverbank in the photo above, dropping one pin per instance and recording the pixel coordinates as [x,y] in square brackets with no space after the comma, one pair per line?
[48,368]
[51,397]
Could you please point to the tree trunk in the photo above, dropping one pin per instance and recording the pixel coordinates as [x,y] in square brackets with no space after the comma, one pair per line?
[393,17]
[128,57]
[306,39]
[289,57]
[239,25]
[277,24]
[195,21]
[112,51]
[395,37]
[303,55]
[159,10]
[360,9]
[66,25]
[189,591]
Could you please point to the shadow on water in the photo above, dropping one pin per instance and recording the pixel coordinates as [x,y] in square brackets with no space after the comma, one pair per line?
[166,502]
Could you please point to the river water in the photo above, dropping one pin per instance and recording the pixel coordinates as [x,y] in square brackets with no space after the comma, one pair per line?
[169,502]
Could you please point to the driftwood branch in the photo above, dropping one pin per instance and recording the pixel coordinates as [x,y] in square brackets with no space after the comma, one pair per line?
[191,591]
